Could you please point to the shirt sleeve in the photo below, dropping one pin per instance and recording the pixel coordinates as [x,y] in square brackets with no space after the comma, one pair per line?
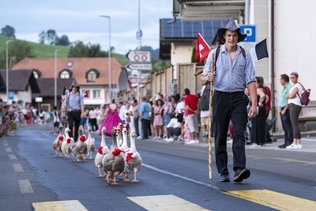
[250,70]
[81,100]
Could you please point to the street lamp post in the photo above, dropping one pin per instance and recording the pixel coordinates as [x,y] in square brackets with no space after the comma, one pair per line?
[110,60]
[7,68]
[55,78]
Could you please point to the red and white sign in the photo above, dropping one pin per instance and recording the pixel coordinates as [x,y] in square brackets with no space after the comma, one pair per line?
[138,56]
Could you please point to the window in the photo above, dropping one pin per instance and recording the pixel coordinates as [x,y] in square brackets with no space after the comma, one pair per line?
[65,74]
[92,76]
[96,94]
[69,64]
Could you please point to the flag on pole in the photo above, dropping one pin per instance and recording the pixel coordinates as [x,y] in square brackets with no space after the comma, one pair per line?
[259,51]
[202,49]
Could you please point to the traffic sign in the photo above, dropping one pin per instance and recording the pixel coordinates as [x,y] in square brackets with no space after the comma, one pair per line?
[140,66]
[138,56]
[250,31]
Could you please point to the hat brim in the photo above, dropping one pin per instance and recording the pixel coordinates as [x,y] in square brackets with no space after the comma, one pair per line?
[221,33]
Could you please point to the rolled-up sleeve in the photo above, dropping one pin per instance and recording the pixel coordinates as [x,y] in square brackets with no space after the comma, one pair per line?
[81,100]
[250,70]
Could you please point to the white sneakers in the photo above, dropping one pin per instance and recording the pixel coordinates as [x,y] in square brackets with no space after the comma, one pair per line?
[294,146]
[168,139]
[193,142]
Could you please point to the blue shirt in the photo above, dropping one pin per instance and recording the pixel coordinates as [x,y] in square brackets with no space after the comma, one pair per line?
[283,101]
[74,101]
[231,77]
[144,110]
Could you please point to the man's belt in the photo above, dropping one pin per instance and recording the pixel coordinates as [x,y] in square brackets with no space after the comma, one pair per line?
[74,110]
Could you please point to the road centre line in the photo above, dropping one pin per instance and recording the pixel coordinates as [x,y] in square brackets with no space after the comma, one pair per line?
[25,186]
[17,167]
[12,157]
[5,144]
[59,205]
[164,202]
[8,149]
[162,171]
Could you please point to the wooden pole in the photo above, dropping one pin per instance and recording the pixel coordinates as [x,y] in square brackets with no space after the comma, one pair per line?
[210,123]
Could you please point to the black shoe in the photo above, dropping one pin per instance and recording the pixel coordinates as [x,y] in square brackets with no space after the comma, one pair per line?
[224,178]
[241,174]
[283,146]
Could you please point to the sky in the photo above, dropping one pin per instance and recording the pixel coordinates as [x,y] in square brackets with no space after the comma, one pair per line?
[79,19]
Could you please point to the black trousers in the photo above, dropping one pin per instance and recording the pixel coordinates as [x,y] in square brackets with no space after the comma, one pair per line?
[259,127]
[230,107]
[173,132]
[145,127]
[74,123]
[287,127]
[136,126]
[268,135]
[93,124]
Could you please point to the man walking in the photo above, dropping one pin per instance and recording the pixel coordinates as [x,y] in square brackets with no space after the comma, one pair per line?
[234,72]
[284,111]
[144,110]
[190,103]
[75,107]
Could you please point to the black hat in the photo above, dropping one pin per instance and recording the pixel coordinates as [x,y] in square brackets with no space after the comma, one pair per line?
[230,26]
[74,84]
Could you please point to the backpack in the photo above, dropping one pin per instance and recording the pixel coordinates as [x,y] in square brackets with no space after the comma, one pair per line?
[304,98]
[207,90]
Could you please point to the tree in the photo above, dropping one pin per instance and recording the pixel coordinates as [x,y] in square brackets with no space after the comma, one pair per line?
[79,49]
[42,37]
[8,31]
[18,50]
[51,36]
[63,40]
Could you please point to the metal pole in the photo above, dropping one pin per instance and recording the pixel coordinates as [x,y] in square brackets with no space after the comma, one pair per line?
[7,68]
[110,58]
[139,46]
[55,78]
[247,11]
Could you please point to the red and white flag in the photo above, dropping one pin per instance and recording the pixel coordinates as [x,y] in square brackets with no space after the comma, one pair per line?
[202,49]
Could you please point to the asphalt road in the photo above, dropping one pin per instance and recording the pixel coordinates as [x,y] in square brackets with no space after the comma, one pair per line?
[30,172]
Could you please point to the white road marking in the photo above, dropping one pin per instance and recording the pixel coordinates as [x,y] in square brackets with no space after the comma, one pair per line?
[162,171]
[5,144]
[25,186]
[8,149]
[59,205]
[12,157]
[165,202]
[18,168]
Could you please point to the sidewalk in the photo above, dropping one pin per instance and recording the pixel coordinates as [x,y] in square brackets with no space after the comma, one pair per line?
[309,145]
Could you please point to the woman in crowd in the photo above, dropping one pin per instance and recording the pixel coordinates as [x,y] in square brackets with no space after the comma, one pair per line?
[111,120]
[102,114]
[167,111]
[258,123]
[173,129]
[158,123]
[295,108]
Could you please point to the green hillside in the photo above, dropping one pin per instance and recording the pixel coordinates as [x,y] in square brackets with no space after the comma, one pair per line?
[39,50]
